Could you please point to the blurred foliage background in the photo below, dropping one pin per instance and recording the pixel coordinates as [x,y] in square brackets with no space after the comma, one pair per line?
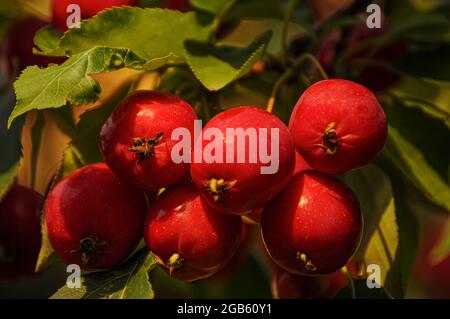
[405,194]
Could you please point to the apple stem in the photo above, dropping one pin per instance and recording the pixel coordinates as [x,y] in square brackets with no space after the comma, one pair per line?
[351,283]
[291,72]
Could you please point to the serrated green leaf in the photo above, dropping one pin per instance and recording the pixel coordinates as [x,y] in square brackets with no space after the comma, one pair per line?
[10,146]
[58,85]
[408,231]
[151,33]
[380,241]
[130,281]
[426,110]
[126,37]
[412,163]
[47,256]
[383,249]
[373,189]
[83,149]
[407,165]
[47,39]
[363,292]
[435,93]
[216,66]
[213,7]
[422,25]
[425,126]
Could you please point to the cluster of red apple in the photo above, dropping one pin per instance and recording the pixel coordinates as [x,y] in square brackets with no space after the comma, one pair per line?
[311,222]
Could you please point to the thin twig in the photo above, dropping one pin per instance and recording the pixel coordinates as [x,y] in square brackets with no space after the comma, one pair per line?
[351,283]
[284,31]
[290,72]
[215,25]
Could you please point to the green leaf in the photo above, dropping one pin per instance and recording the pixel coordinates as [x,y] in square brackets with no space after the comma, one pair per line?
[216,66]
[432,65]
[413,117]
[421,26]
[416,145]
[380,240]
[47,39]
[412,163]
[153,34]
[406,165]
[130,281]
[116,38]
[373,189]
[427,92]
[58,85]
[426,110]
[11,149]
[83,149]
[47,256]
[213,7]
[363,292]
[408,230]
